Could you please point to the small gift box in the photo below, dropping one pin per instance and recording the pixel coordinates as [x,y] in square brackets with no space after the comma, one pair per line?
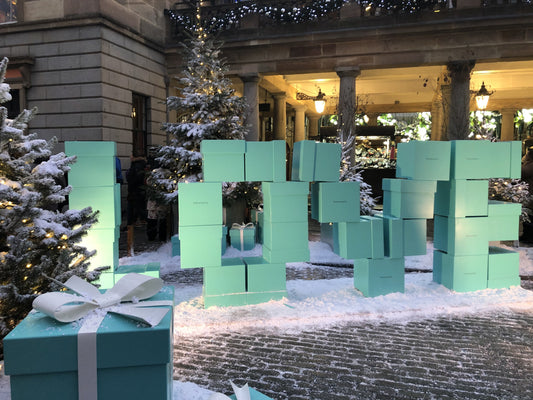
[87,353]
[242,237]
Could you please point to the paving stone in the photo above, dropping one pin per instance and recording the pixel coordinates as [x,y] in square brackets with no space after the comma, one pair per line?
[468,357]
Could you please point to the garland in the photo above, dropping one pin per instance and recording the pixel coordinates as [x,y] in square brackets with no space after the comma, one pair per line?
[291,12]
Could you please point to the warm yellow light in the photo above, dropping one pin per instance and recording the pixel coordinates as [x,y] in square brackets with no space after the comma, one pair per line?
[320,105]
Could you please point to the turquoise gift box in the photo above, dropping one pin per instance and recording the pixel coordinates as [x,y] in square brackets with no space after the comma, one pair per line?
[414,237]
[92,171]
[335,201]
[403,198]
[223,160]
[286,235]
[200,203]
[265,161]
[393,236]
[242,239]
[285,201]
[503,268]
[175,241]
[134,361]
[427,161]
[460,273]
[503,220]
[176,247]
[481,159]
[376,277]
[150,269]
[327,162]
[303,161]
[363,239]
[229,278]
[225,285]
[462,198]
[91,148]
[292,254]
[461,236]
[101,198]
[201,246]
[263,276]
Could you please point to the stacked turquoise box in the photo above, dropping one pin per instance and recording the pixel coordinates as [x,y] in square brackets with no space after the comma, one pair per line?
[237,282]
[225,285]
[466,221]
[316,162]
[285,224]
[41,357]
[200,224]
[335,201]
[265,161]
[94,185]
[258,221]
[223,160]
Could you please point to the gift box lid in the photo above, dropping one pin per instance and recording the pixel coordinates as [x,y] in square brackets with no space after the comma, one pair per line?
[90,148]
[409,185]
[40,344]
[223,146]
[285,188]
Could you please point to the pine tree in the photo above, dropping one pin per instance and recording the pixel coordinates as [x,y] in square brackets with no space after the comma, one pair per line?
[37,239]
[351,172]
[207,108]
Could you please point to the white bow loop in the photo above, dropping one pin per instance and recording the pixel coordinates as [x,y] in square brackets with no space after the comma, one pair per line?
[66,307]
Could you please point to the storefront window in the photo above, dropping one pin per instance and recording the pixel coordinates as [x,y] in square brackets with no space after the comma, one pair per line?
[8,11]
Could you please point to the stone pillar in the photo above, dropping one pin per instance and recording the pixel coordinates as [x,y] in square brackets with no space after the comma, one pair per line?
[507,132]
[372,119]
[313,124]
[299,123]
[347,101]
[459,107]
[280,116]
[251,94]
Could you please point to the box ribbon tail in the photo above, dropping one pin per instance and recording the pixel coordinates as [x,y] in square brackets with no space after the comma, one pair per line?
[94,306]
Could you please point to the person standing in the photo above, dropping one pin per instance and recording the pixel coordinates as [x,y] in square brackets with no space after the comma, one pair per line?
[136,199]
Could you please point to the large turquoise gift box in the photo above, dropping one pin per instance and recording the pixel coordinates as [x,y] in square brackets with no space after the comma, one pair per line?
[133,360]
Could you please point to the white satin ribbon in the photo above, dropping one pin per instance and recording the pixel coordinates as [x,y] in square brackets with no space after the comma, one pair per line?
[242,227]
[241,393]
[65,307]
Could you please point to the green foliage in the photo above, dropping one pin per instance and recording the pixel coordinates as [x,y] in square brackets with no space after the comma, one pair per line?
[36,237]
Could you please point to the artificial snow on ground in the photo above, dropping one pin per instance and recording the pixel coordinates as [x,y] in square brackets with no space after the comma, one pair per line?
[319,303]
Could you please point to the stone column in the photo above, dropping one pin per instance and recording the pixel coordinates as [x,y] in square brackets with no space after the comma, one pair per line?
[372,119]
[280,116]
[459,107]
[313,124]
[507,132]
[251,94]
[299,123]
[347,101]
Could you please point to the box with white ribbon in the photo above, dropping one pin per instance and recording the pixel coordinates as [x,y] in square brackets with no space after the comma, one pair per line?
[104,352]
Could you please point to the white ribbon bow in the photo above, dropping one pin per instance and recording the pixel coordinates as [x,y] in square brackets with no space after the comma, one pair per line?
[66,307]
[241,393]
[242,227]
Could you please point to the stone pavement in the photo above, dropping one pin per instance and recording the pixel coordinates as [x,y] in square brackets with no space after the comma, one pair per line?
[484,357]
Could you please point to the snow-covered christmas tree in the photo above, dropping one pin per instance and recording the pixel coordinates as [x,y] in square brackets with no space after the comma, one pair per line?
[351,172]
[37,239]
[207,108]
